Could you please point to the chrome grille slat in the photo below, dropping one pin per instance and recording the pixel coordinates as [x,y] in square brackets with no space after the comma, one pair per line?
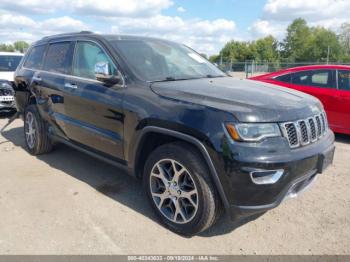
[319,127]
[312,124]
[323,123]
[305,131]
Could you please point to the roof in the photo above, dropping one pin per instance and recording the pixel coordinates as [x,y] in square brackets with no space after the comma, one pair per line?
[300,68]
[310,67]
[11,53]
[108,37]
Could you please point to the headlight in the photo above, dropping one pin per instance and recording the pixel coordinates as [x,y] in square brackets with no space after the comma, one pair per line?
[252,132]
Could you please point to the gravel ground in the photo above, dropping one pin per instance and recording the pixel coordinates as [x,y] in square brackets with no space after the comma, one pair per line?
[69,203]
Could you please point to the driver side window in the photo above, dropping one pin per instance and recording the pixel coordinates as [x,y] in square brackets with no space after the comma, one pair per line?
[87,55]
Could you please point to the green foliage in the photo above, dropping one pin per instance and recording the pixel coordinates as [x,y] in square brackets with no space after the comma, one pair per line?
[204,55]
[298,40]
[344,39]
[264,49]
[6,48]
[214,58]
[267,49]
[301,44]
[19,46]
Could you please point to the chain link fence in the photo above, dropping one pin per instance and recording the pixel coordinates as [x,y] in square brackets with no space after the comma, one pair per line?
[252,68]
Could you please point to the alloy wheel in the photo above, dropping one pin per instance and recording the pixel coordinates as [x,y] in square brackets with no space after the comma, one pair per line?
[30,130]
[174,191]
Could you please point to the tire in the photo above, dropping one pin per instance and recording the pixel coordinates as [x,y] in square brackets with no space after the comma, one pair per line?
[189,206]
[36,132]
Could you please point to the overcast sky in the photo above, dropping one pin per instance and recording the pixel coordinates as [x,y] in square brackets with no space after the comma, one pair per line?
[204,25]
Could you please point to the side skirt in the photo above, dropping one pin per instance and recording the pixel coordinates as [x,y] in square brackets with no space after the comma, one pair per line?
[117,163]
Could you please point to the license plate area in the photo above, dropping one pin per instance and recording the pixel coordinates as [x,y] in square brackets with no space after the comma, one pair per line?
[7,99]
[325,160]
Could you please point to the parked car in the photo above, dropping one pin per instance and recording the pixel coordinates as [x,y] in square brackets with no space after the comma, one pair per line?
[8,64]
[329,83]
[201,141]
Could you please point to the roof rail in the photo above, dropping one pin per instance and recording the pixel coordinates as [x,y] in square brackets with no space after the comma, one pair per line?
[68,34]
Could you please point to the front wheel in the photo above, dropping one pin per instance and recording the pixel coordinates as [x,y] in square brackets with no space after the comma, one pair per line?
[35,131]
[178,184]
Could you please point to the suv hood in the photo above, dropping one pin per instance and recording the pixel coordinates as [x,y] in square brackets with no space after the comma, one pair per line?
[247,100]
[7,76]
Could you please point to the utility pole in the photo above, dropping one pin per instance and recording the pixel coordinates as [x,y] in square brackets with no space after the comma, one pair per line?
[328,51]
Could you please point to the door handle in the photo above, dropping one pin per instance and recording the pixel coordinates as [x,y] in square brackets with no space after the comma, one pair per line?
[69,85]
[37,78]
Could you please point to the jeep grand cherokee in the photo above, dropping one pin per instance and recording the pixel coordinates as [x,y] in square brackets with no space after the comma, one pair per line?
[201,141]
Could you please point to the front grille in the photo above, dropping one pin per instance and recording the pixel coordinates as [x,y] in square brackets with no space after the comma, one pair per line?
[305,131]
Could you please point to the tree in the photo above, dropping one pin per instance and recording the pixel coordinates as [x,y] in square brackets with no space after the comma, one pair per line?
[344,38]
[324,46]
[214,58]
[238,51]
[267,49]
[21,46]
[295,45]
[6,48]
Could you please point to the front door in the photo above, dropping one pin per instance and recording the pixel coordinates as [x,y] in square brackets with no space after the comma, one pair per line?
[343,96]
[93,111]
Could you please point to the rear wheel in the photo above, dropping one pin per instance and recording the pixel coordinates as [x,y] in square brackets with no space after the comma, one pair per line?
[36,133]
[180,190]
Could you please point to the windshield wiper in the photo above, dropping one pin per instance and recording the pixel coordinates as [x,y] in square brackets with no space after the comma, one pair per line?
[171,78]
[214,76]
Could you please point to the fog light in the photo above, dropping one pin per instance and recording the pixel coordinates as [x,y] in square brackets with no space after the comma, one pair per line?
[265,177]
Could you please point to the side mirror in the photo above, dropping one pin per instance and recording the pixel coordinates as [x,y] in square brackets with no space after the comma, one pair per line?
[102,74]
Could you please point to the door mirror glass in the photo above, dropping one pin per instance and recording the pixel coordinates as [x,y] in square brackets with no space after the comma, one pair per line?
[102,73]
[102,70]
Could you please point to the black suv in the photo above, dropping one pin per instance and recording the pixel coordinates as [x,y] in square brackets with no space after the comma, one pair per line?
[201,141]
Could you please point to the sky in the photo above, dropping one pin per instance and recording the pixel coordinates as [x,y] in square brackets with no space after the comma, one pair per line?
[203,25]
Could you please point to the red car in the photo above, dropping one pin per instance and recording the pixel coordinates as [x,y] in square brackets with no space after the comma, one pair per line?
[329,83]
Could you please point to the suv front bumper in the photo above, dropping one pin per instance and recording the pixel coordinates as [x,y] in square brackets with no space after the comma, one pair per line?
[300,168]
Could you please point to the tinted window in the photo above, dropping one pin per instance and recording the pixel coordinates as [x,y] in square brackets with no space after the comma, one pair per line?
[87,55]
[9,63]
[59,58]
[317,78]
[344,80]
[35,57]
[284,78]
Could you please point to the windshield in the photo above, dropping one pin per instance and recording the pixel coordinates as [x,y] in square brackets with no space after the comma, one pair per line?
[9,63]
[157,60]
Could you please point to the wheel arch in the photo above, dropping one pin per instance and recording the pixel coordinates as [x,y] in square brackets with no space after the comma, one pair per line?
[169,136]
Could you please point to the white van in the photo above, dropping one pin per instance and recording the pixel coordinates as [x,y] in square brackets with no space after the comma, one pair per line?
[8,64]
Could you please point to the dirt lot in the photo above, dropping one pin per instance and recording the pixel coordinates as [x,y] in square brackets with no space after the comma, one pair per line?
[69,203]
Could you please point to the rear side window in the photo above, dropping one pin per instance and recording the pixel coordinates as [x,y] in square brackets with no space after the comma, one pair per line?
[284,78]
[59,57]
[344,80]
[35,57]
[316,78]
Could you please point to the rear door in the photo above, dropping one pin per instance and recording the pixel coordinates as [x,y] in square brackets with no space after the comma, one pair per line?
[321,84]
[48,83]
[93,111]
[24,74]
